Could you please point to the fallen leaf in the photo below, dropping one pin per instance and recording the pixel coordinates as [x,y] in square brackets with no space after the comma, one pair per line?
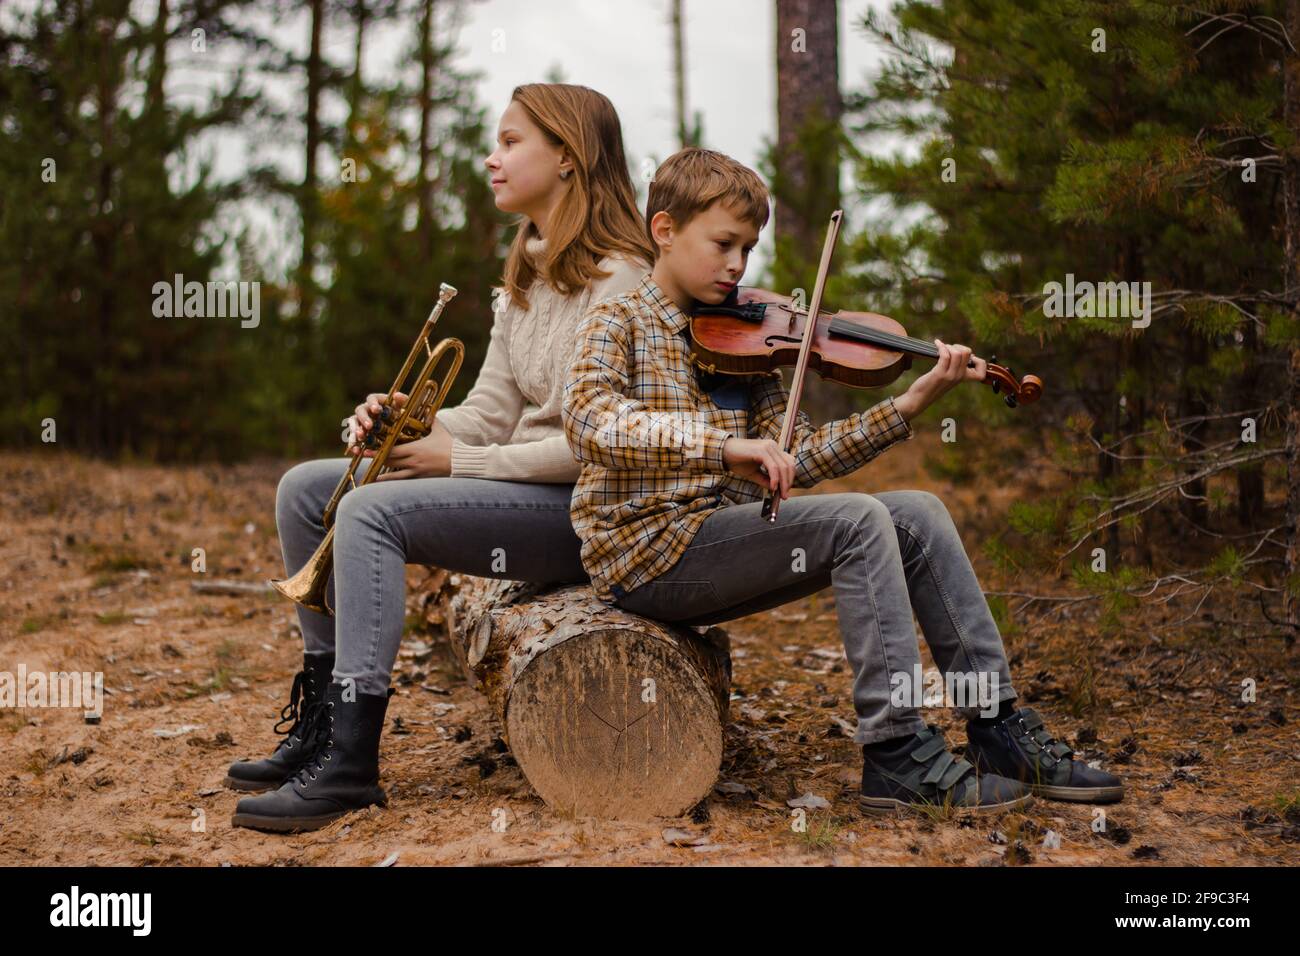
[730,786]
[674,836]
[179,731]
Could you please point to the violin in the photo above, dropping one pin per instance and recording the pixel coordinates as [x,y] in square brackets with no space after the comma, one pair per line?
[760,331]
[764,331]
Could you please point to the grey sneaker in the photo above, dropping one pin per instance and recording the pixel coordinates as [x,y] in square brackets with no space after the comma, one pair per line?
[926,777]
[1020,747]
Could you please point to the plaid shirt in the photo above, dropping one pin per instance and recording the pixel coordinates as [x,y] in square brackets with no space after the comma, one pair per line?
[649,434]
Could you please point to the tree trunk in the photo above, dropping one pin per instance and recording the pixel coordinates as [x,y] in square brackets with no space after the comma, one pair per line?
[424,221]
[806,188]
[1135,350]
[679,75]
[155,94]
[807,91]
[1290,279]
[1192,404]
[1250,478]
[608,714]
[357,91]
[1108,466]
[110,438]
[314,82]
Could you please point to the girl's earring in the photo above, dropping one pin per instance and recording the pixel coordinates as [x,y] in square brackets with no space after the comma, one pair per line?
[564,174]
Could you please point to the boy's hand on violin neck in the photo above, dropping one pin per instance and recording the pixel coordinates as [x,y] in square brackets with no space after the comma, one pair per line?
[950,369]
[761,461]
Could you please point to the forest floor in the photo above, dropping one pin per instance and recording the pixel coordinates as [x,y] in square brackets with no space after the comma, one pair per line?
[97,577]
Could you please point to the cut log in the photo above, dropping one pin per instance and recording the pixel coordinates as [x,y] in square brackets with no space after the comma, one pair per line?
[608,714]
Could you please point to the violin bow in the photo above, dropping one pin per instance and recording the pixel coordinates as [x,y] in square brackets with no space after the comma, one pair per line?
[771,502]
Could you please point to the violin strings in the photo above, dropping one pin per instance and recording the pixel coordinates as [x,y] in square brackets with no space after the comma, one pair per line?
[905,343]
[883,337]
[887,338]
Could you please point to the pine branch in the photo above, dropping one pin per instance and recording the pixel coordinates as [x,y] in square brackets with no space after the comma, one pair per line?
[1236,20]
[1155,494]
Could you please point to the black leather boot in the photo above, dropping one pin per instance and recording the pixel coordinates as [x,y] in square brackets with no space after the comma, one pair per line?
[340,775]
[305,701]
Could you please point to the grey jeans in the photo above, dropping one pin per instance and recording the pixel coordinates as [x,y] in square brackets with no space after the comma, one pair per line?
[519,531]
[887,556]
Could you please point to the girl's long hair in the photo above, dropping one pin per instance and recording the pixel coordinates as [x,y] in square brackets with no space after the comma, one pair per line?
[597,215]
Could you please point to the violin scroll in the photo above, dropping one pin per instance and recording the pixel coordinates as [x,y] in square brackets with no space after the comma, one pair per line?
[1018,391]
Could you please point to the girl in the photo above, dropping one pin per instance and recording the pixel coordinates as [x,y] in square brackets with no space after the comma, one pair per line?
[487,491]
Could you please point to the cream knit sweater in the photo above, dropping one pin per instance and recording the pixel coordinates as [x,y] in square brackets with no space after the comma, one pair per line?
[508,427]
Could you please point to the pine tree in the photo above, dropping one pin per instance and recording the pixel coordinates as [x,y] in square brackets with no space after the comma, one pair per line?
[395,233]
[1107,142]
[92,220]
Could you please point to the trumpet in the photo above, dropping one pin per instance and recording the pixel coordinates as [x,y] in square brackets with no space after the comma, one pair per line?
[415,420]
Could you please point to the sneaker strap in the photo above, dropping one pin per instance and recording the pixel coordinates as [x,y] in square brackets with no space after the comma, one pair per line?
[1036,740]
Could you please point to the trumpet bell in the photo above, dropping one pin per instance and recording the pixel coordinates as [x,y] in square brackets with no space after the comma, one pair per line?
[308,586]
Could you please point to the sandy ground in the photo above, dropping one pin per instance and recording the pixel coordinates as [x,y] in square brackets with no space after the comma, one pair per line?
[97,577]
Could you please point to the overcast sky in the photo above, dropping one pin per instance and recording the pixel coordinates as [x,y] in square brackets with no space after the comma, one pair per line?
[623,49]
[620,47]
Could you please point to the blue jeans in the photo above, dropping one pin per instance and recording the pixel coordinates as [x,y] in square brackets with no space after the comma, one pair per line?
[518,531]
[887,556]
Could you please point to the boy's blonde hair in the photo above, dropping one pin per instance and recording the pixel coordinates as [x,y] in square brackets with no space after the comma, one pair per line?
[690,181]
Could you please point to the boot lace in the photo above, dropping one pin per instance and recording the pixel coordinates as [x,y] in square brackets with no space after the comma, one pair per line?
[292,710]
[318,743]
[303,714]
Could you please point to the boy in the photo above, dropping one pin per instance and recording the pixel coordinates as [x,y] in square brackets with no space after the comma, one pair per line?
[668,511]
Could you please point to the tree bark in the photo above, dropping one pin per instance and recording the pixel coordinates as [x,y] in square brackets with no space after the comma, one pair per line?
[1192,404]
[608,714]
[806,188]
[679,75]
[155,95]
[1108,465]
[424,220]
[109,436]
[314,83]
[1250,478]
[356,92]
[1290,279]
[807,91]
